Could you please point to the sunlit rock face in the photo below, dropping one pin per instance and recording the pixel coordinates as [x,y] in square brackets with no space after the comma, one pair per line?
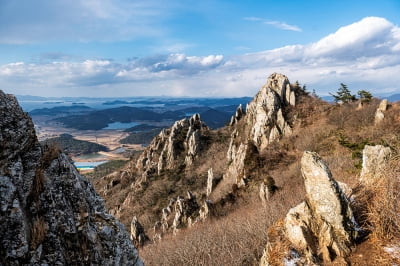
[175,146]
[322,228]
[264,122]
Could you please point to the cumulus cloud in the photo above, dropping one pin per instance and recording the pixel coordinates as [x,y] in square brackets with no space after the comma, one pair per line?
[364,55]
[370,36]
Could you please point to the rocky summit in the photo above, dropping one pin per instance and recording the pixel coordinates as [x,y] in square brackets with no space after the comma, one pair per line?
[263,123]
[49,213]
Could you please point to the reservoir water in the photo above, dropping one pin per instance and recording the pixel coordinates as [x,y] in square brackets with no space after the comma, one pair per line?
[87,165]
[119,125]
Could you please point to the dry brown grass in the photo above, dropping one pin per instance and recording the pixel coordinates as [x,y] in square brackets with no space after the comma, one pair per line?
[236,239]
[50,152]
[380,210]
[238,234]
[376,208]
[38,232]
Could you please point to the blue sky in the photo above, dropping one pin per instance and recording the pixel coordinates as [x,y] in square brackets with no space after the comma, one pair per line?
[207,48]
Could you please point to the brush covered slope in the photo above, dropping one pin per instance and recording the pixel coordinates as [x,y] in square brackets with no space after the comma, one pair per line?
[49,213]
[215,196]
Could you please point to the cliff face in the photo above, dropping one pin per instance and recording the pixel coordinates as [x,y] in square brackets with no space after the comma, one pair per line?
[49,213]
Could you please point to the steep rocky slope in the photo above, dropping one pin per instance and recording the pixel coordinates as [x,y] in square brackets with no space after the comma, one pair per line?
[258,156]
[190,159]
[49,213]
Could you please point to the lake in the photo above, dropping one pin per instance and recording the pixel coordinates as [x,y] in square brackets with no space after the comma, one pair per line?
[87,165]
[119,125]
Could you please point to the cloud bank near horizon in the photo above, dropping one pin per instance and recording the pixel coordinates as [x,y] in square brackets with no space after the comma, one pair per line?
[364,55]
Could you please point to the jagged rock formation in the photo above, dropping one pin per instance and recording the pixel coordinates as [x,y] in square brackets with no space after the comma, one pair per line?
[49,214]
[138,235]
[205,209]
[182,140]
[322,227]
[265,115]
[237,116]
[180,212]
[379,115]
[264,122]
[375,159]
[210,181]
[267,188]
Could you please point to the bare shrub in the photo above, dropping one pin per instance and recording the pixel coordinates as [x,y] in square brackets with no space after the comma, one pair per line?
[38,232]
[50,152]
[377,210]
[381,200]
[236,239]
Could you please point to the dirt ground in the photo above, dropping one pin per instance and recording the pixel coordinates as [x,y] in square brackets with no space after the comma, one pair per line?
[108,138]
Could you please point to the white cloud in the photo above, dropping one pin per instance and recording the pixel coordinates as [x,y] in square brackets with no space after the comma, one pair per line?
[83,20]
[283,26]
[277,24]
[364,55]
[361,38]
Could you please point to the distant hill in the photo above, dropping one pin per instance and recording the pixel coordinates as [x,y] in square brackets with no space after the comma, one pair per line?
[61,110]
[68,144]
[142,128]
[212,102]
[96,120]
[143,137]
[215,119]
[116,102]
[393,98]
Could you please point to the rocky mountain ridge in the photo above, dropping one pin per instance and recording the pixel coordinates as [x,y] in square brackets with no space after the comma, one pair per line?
[175,151]
[177,187]
[50,214]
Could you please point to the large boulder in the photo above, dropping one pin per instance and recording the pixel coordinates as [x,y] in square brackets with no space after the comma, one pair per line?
[322,228]
[375,159]
[49,213]
[379,114]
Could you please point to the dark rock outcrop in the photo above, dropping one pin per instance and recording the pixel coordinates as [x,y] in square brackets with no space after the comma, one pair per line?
[138,234]
[49,213]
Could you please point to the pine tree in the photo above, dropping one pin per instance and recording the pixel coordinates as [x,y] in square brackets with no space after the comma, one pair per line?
[344,95]
[364,96]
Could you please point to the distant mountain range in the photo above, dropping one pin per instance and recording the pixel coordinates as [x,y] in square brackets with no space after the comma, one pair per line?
[69,144]
[61,110]
[92,114]
[100,119]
